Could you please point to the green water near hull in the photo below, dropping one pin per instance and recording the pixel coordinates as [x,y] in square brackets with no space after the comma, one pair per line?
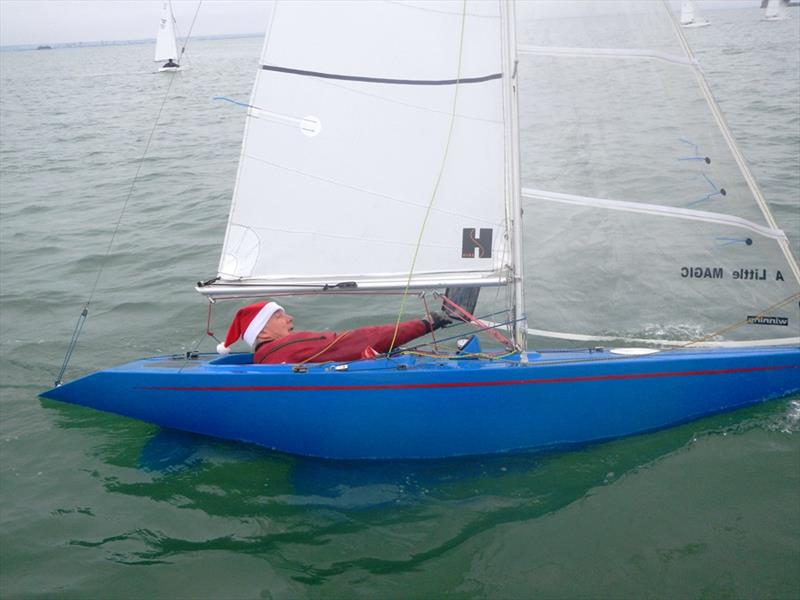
[126,510]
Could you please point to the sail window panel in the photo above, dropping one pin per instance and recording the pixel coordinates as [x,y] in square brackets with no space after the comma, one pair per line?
[296,96]
[656,210]
[593,132]
[400,40]
[604,273]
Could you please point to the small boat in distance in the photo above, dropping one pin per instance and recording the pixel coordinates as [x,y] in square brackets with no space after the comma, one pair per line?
[44,47]
[166,47]
[690,18]
[775,11]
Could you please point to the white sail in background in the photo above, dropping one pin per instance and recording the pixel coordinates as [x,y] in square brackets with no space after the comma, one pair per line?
[641,218]
[687,12]
[363,115]
[775,11]
[690,17]
[166,48]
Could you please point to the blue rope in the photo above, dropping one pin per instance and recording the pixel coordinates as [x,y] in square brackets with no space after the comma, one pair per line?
[696,156]
[708,197]
[232,101]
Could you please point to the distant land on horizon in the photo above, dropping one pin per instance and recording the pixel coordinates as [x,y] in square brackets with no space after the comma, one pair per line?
[42,45]
[56,45]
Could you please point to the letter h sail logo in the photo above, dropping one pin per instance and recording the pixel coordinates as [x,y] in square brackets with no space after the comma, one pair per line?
[476,246]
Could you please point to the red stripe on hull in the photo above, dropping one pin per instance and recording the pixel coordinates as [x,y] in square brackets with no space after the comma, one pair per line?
[315,388]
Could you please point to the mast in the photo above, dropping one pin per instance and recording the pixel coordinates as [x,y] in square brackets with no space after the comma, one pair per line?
[513,202]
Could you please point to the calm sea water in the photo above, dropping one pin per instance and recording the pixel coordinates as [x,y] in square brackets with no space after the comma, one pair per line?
[97,506]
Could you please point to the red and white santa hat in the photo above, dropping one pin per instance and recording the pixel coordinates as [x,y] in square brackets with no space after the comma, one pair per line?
[248,323]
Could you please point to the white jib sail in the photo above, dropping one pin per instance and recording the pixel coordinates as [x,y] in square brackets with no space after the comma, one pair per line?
[362,116]
[642,219]
[166,48]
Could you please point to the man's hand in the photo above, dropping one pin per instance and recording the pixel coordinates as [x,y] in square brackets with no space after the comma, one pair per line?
[436,321]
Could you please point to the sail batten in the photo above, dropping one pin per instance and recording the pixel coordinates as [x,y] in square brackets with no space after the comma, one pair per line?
[383,80]
[655,209]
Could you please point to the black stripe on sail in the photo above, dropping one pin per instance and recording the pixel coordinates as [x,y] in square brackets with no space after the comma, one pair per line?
[382,79]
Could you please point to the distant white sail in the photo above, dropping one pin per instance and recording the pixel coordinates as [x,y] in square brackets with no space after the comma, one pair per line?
[166,48]
[687,12]
[775,11]
[690,17]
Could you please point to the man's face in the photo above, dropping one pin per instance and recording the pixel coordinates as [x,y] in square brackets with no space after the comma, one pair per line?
[279,325]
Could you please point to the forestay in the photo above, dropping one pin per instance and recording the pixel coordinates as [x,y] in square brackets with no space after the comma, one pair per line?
[642,220]
[166,47]
[363,115]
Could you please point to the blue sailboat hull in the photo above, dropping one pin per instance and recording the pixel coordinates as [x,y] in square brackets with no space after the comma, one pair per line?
[416,407]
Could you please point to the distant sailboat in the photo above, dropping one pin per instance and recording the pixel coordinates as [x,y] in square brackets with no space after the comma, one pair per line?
[166,47]
[690,16]
[775,11]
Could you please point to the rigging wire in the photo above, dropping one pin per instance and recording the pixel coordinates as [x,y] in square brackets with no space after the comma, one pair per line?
[191,26]
[738,324]
[85,310]
[438,176]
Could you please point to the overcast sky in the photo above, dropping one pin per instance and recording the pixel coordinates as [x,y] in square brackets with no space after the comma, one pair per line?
[59,21]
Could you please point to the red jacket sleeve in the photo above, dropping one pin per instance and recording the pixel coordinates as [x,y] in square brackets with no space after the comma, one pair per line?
[326,346]
[379,337]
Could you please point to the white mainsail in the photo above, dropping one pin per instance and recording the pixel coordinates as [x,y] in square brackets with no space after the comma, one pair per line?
[166,48]
[363,115]
[642,219]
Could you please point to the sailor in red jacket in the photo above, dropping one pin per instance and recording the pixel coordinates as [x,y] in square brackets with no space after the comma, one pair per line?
[269,330]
